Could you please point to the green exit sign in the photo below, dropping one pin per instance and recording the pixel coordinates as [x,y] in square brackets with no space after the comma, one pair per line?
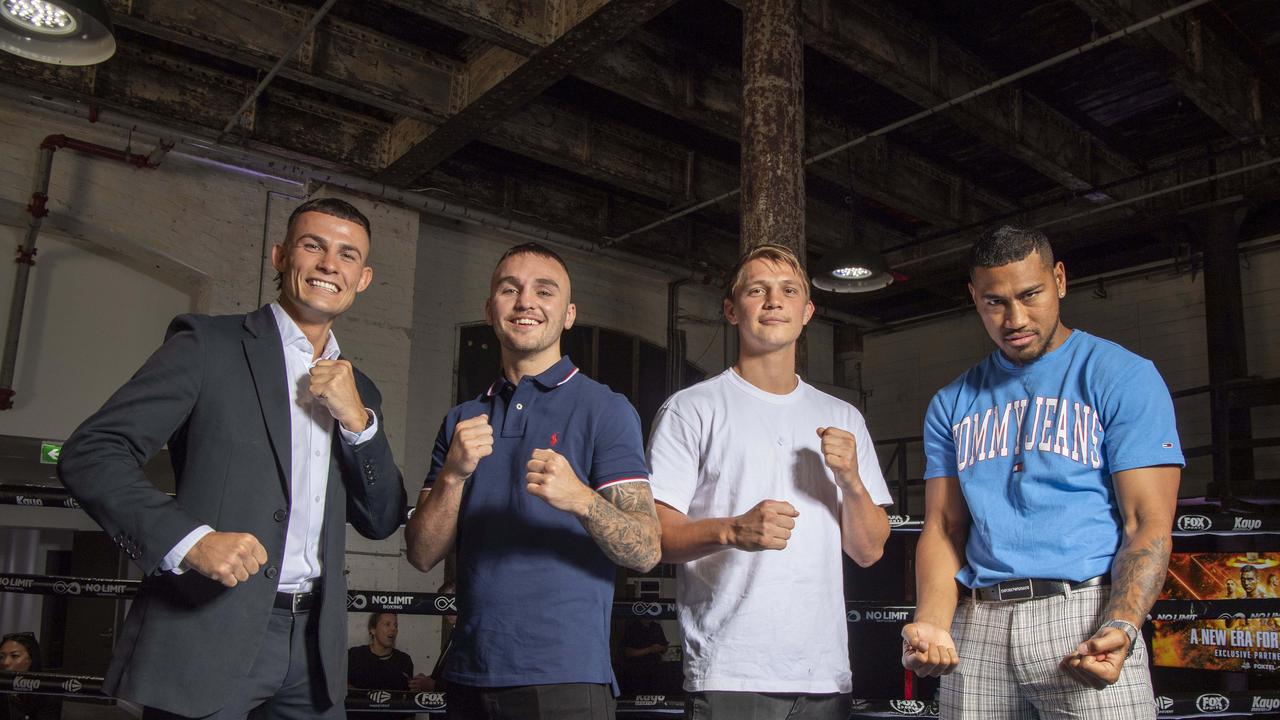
[49,452]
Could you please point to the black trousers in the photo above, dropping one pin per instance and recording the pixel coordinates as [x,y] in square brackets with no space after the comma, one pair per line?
[569,701]
[284,682]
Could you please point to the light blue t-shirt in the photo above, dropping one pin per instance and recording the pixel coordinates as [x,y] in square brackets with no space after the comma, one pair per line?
[1035,446]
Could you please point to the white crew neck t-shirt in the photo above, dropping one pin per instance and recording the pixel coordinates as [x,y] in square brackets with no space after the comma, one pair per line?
[768,621]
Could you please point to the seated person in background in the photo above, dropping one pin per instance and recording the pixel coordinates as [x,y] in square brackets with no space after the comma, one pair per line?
[643,643]
[380,666]
[19,652]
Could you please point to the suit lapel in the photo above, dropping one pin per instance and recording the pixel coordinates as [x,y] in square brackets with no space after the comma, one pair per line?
[266,363]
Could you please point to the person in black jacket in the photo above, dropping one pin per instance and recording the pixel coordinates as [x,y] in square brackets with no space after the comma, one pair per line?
[273,436]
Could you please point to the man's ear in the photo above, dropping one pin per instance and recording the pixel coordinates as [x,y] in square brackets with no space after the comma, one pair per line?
[570,315]
[730,313]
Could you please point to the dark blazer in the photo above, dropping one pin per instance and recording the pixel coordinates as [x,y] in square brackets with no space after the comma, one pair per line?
[215,391]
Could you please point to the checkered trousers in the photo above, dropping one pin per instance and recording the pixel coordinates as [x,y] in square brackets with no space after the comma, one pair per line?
[1009,663]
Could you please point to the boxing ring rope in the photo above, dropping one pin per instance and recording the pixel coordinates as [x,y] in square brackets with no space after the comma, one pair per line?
[857,612]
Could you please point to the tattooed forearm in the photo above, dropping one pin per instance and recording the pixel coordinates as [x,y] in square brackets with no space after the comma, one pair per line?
[1137,576]
[623,522]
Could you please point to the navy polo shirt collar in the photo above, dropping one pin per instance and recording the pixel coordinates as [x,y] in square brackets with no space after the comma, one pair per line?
[549,379]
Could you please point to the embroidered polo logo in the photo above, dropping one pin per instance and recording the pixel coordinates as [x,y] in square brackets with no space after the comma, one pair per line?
[555,438]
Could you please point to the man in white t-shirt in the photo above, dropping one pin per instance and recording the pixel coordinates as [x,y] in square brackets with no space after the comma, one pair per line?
[761,481]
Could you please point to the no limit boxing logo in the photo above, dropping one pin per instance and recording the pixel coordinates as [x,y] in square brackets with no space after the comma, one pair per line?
[1212,702]
[429,700]
[898,520]
[62,587]
[642,609]
[12,583]
[446,604]
[357,601]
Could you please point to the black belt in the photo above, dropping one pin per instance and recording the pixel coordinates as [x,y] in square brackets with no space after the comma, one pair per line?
[296,602]
[1027,588]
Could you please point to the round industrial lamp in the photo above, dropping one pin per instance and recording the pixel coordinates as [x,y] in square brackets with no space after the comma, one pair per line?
[852,270]
[59,32]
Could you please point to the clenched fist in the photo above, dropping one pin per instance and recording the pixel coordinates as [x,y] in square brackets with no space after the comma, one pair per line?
[551,478]
[840,452]
[928,650]
[333,384]
[227,557]
[767,526]
[472,441]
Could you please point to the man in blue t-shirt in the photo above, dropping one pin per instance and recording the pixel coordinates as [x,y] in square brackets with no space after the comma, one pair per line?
[541,486]
[1052,472]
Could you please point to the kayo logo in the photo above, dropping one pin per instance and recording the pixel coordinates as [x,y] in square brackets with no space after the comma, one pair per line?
[1261,704]
[72,685]
[649,700]
[1191,523]
[26,684]
[1164,703]
[378,697]
[1212,702]
[1247,524]
[907,707]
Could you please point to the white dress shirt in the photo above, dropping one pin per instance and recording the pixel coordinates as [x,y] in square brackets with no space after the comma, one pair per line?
[311,432]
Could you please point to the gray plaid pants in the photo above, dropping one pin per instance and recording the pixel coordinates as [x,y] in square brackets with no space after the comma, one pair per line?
[1009,663]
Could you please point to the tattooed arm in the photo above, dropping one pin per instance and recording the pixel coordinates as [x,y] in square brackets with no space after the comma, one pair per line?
[620,518]
[1147,498]
[623,522]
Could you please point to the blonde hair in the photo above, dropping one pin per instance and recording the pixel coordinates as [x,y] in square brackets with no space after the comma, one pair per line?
[777,254]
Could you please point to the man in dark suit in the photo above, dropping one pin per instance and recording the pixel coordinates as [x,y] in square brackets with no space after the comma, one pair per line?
[274,441]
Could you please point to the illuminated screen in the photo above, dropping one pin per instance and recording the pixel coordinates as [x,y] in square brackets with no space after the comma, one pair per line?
[1246,634]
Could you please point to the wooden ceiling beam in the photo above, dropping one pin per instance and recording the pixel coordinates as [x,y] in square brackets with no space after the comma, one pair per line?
[500,81]
[1203,65]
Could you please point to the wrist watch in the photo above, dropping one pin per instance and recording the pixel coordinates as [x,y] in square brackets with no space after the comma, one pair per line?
[1127,628]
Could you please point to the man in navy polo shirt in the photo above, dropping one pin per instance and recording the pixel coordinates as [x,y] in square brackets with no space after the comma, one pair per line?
[541,485]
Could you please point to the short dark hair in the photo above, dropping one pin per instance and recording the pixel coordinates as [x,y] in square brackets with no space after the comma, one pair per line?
[374,617]
[28,641]
[1007,244]
[532,248]
[340,209]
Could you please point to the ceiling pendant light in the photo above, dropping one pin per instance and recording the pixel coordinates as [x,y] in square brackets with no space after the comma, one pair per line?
[58,32]
[854,268]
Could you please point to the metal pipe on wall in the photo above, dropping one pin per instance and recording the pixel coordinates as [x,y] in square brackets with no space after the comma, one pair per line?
[37,209]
